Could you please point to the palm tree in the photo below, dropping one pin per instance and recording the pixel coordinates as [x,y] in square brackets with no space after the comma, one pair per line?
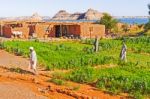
[109,22]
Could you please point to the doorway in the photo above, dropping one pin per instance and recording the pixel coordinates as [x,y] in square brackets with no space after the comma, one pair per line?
[60,30]
[57,31]
[31,30]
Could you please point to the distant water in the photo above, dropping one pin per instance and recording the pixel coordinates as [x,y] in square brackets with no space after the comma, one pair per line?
[123,20]
[134,20]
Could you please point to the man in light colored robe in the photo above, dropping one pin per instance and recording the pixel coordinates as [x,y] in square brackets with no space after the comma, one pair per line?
[123,52]
[33,60]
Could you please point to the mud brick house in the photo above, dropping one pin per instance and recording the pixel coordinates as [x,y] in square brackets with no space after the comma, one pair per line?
[9,27]
[52,29]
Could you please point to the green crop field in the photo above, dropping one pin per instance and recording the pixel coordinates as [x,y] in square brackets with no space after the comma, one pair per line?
[103,69]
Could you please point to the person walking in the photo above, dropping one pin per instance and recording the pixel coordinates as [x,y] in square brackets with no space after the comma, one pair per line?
[33,60]
[123,52]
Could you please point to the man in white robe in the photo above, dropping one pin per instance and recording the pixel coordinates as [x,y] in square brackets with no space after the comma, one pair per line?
[33,60]
[123,52]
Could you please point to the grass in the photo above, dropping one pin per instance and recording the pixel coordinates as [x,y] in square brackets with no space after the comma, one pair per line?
[132,77]
[57,81]
[76,88]
[126,79]
[60,55]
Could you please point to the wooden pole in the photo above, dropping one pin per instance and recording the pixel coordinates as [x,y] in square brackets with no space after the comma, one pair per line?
[1,29]
[96,44]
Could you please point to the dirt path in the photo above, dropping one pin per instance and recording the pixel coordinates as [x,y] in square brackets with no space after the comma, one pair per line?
[25,85]
[9,60]
[17,91]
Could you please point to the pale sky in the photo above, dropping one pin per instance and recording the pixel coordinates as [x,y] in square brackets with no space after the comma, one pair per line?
[14,8]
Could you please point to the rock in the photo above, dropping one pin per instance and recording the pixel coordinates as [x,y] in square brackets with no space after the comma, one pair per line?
[36,17]
[75,16]
[32,79]
[41,90]
[92,15]
[61,15]
[36,82]
[88,15]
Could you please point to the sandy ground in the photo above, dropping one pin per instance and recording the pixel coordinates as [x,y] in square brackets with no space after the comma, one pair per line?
[15,90]
[28,86]
[9,60]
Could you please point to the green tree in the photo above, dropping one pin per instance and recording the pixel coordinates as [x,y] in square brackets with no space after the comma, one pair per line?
[147,26]
[125,28]
[109,22]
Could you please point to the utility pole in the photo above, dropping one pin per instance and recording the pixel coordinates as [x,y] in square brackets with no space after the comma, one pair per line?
[96,44]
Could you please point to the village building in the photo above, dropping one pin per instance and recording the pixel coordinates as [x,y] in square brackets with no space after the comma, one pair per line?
[26,29]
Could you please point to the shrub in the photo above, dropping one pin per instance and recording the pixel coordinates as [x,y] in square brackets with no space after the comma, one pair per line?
[83,75]
[57,81]
[2,45]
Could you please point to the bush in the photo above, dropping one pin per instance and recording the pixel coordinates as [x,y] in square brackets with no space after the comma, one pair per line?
[18,51]
[57,81]
[83,75]
[2,45]
[121,80]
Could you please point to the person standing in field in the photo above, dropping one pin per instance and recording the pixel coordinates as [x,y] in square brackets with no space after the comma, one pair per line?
[123,52]
[33,60]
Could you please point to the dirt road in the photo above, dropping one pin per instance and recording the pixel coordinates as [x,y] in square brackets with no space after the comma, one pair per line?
[10,60]
[15,90]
